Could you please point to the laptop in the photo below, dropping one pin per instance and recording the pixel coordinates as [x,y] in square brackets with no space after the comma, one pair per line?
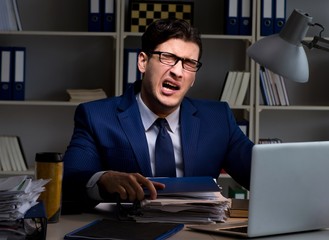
[288,191]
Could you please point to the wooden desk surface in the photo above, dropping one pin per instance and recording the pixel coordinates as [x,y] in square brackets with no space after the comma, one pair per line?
[68,223]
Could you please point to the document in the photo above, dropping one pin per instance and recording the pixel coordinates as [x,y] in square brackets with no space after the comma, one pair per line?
[17,195]
[187,200]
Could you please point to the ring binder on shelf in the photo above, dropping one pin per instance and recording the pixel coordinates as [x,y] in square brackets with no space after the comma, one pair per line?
[266,27]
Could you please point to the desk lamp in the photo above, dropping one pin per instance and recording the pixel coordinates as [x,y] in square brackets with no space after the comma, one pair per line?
[283,53]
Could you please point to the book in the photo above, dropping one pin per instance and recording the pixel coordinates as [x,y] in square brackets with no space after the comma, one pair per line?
[239,208]
[269,140]
[235,89]
[228,86]
[11,154]
[84,95]
[124,230]
[9,16]
[243,88]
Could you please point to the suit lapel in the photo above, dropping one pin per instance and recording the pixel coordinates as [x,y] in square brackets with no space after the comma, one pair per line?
[131,123]
[190,127]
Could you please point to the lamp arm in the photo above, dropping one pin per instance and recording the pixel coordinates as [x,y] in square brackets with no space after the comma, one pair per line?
[314,43]
[317,39]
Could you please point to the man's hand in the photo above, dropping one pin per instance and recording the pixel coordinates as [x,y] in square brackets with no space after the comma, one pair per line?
[128,185]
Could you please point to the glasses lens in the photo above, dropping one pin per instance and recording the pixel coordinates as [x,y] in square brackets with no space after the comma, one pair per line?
[190,65]
[172,59]
[168,58]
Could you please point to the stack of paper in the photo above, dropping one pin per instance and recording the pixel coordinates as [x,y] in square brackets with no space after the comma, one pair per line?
[85,95]
[17,195]
[189,200]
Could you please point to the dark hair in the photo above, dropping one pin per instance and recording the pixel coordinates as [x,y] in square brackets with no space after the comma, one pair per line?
[162,30]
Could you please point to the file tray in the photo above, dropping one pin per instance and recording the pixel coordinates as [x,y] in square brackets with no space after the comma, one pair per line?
[35,222]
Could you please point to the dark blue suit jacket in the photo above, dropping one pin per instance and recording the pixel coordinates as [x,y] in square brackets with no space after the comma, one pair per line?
[109,135]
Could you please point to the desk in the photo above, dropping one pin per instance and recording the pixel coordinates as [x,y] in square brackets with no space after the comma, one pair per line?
[68,223]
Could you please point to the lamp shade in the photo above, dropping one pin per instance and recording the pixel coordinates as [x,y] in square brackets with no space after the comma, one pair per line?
[283,53]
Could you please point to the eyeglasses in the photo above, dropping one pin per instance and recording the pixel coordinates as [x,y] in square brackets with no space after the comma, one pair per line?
[171,60]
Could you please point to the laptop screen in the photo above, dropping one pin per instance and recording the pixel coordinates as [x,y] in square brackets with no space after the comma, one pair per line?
[288,191]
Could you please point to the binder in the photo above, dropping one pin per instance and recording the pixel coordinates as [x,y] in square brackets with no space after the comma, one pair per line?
[18,76]
[231,18]
[245,14]
[109,16]
[131,72]
[279,15]
[5,76]
[95,16]
[266,27]
[106,228]
[185,185]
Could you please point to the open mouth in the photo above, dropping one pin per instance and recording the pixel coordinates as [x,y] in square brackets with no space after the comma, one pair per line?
[170,86]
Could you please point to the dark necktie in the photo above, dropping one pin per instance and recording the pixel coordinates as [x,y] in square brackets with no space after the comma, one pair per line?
[164,152]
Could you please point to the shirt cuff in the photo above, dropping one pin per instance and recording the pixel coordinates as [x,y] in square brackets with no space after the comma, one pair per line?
[92,187]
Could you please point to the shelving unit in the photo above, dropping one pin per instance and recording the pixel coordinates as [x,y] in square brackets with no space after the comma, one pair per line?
[306,119]
[60,54]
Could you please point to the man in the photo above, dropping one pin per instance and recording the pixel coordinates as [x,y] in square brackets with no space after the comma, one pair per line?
[112,150]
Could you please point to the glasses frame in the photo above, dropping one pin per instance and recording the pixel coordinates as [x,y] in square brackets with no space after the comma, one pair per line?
[183,60]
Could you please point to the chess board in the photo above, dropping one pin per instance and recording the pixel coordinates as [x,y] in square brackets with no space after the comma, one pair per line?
[143,12]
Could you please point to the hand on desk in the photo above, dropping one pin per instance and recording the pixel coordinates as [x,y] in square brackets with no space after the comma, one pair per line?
[128,185]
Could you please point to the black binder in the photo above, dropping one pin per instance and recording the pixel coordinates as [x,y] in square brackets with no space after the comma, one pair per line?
[121,230]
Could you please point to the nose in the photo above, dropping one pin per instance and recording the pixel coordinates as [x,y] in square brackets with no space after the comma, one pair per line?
[177,69]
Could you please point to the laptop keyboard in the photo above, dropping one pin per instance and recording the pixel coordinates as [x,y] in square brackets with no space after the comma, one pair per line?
[238,229]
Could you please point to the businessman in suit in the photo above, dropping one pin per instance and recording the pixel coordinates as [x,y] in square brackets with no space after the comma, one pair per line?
[112,150]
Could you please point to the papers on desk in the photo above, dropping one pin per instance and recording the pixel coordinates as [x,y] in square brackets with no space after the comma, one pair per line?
[189,200]
[17,195]
[189,209]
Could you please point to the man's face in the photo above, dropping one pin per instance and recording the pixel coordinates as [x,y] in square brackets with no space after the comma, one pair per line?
[164,86]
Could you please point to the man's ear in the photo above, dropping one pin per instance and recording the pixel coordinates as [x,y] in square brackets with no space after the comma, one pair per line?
[142,61]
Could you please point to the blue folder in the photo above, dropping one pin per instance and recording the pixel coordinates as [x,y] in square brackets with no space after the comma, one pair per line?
[181,185]
[266,27]
[109,16]
[279,15]
[95,16]
[6,65]
[18,75]
[232,17]
[120,230]
[245,17]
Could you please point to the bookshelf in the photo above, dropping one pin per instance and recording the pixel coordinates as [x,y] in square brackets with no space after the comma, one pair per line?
[60,53]
[306,119]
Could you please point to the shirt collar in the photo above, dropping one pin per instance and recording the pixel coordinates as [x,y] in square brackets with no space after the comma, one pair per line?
[148,117]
